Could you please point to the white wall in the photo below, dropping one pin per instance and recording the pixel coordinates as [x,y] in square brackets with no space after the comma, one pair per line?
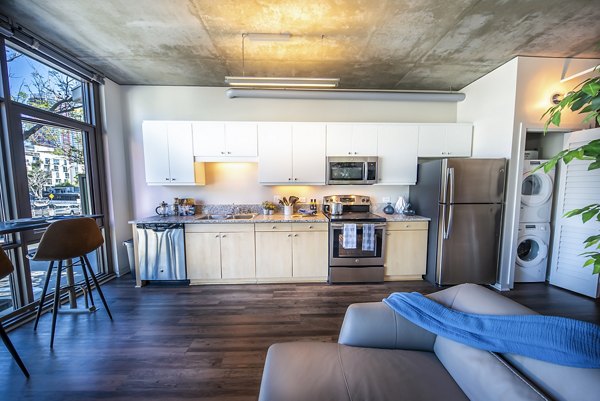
[118,188]
[239,183]
[490,106]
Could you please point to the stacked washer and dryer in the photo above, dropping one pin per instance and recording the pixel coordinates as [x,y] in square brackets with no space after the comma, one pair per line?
[534,225]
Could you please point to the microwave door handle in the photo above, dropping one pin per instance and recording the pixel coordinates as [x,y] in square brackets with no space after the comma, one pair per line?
[365,171]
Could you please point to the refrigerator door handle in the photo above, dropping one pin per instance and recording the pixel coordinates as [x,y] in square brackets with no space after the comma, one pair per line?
[450,218]
[444,225]
[451,182]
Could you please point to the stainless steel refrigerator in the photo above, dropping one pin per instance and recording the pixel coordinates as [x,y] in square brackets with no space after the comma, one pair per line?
[464,199]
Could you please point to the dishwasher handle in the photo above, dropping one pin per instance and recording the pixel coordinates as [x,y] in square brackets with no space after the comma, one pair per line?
[159,227]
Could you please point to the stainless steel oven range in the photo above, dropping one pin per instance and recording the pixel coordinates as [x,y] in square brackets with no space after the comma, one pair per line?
[356,240]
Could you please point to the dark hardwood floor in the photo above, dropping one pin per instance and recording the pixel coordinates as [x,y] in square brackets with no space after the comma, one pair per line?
[200,342]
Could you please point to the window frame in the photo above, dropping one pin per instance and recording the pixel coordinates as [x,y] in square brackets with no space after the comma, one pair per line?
[13,173]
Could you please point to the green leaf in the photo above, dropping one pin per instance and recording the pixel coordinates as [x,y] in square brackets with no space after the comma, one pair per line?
[591,88]
[587,216]
[588,262]
[555,119]
[580,102]
[595,165]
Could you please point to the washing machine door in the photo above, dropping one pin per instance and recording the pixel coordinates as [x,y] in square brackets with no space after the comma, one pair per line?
[536,188]
[531,251]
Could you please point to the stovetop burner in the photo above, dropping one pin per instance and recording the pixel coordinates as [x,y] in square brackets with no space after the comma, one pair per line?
[356,216]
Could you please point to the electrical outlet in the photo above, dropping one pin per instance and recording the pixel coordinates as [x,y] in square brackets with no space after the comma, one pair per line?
[276,199]
[302,199]
[387,199]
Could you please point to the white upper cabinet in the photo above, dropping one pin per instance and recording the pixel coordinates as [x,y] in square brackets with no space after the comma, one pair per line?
[397,152]
[308,156]
[291,153]
[347,139]
[225,141]
[275,153]
[168,155]
[445,140]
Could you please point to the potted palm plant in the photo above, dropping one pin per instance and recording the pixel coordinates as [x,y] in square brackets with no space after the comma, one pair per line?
[583,99]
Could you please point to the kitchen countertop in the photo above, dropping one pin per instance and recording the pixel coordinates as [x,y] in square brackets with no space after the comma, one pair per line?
[272,218]
[401,217]
[196,219]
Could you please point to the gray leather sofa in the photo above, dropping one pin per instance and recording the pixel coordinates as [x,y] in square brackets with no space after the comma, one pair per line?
[381,356]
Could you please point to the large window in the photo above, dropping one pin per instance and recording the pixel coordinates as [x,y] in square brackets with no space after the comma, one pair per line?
[36,84]
[52,163]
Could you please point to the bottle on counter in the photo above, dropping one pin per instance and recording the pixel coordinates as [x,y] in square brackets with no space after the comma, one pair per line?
[176,207]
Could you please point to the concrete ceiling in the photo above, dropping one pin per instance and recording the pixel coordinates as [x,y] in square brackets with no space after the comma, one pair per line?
[387,44]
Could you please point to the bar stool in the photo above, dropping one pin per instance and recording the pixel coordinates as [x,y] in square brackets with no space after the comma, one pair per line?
[68,239]
[6,268]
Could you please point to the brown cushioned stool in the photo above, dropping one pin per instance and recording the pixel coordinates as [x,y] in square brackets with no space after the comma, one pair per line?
[68,239]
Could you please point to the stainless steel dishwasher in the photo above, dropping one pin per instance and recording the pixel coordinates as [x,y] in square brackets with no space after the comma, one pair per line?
[162,251]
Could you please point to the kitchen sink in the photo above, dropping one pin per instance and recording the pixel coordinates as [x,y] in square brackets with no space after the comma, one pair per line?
[226,217]
[214,217]
[242,216]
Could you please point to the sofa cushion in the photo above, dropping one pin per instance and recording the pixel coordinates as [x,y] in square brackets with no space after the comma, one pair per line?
[323,371]
[558,382]
[562,383]
[482,375]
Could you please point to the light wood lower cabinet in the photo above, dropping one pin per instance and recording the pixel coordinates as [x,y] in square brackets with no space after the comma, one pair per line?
[220,252]
[406,250]
[309,255]
[291,252]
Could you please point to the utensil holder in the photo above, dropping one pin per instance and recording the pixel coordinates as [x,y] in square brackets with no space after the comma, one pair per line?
[288,210]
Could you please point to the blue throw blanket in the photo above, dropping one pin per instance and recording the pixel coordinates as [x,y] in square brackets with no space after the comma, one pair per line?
[549,338]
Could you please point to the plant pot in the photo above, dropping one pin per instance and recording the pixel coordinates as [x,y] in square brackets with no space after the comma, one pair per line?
[267,211]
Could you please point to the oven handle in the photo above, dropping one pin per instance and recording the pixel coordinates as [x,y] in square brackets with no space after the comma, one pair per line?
[341,225]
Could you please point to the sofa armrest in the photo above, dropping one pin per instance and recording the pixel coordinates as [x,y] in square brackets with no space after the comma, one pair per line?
[375,325]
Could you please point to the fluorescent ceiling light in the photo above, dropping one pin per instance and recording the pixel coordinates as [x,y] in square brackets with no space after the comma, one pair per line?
[340,94]
[282,82]
[268,37]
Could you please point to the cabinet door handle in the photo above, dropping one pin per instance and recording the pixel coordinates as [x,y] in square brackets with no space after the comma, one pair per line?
[349,153]
[289,179]
[274,227]
[222,153]
[355,153]
[223,236]
[295,235]
[295,179]
[217,236]
[167,179]
[310,227]
[228,153]
[289,235]
[173,179]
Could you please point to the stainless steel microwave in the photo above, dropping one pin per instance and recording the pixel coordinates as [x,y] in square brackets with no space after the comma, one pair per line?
[351,170]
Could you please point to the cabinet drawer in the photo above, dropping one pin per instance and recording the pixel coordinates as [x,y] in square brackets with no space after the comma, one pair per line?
[274,227]
[219,228]
[309,227]
[407,225]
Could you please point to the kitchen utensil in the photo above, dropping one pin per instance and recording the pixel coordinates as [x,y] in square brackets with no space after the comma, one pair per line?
[336,208]
[293,200]
[162,209]
[285,201]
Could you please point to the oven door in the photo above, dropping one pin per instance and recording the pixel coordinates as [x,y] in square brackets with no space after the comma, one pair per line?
[349,171]
[340,256]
